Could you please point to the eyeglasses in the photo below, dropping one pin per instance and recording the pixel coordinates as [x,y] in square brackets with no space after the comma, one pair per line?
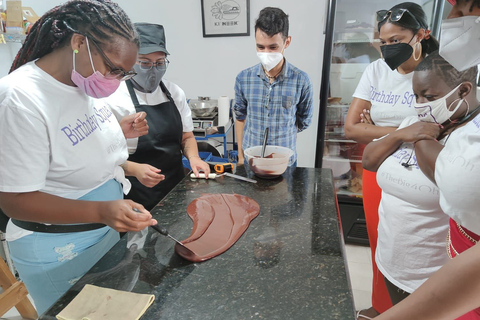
[115,72]
[395,15]
[147,65]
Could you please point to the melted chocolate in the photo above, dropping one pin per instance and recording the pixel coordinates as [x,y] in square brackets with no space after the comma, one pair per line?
[260,172]
[269,156]
[264,169]
[219,220]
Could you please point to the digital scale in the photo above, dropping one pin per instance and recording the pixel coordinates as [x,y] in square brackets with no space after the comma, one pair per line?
[201,124]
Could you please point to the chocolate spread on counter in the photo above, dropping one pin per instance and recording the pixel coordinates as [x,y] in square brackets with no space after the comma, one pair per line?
[219,220]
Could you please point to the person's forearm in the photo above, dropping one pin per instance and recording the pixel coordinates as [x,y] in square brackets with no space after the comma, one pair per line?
[130,168]
[451,292]
[377,151]
[189,145]
[43,207]
[304,112]
[426,152]
[239,126]
[365,133]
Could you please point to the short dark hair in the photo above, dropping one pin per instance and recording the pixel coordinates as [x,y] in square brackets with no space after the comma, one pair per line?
[444,70]
[272,21]
[97,19]
[414,24]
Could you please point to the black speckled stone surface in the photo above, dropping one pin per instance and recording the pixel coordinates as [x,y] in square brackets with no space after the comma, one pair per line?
[289,264]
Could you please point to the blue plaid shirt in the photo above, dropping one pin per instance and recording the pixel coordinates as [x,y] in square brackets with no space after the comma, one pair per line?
[284,106]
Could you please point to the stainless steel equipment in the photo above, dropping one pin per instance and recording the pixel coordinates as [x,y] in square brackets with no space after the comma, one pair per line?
[203,106]
[202,124]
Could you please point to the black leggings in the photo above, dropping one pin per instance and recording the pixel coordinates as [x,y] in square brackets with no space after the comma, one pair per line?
[396,294]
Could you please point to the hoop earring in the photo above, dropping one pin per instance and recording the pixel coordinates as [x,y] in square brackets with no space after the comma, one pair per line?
[415,49]
[461,101]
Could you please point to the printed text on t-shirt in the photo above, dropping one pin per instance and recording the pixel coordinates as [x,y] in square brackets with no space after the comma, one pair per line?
[391,98]
[82,128]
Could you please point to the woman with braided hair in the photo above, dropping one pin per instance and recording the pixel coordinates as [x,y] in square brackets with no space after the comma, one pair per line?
[62,148]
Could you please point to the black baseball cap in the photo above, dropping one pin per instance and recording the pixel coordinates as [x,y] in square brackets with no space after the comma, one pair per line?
[152,38]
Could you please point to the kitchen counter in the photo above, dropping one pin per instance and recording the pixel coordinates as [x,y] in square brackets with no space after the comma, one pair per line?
[289,264]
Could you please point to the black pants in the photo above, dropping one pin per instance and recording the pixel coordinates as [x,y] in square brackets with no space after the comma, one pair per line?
[396,294]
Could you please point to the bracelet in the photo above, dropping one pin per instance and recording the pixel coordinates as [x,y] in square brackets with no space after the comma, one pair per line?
[194,155]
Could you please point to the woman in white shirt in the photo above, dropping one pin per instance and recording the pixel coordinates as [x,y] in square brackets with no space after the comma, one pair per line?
[385,93]
[170,133]
[60,174]
[413,227]
[453,291]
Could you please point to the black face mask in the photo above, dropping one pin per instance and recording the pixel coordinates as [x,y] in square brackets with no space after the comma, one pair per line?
[396,54]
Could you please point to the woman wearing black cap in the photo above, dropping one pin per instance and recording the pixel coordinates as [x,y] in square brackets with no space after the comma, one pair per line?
[169,119]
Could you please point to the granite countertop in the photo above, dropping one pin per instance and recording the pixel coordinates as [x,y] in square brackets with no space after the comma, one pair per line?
[289,264]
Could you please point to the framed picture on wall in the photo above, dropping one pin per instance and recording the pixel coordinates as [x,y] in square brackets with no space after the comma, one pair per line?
[225,18]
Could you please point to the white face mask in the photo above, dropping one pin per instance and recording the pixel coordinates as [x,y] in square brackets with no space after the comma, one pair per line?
[270,59]
[437,111]
[459,42]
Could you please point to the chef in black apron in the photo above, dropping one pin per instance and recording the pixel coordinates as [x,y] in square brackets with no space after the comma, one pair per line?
[170,135]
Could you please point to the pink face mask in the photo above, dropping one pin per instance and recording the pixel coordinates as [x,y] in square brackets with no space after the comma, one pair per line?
[95,85]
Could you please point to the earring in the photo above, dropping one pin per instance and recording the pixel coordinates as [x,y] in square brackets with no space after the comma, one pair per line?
[461,101]
[75,51]
[415,49]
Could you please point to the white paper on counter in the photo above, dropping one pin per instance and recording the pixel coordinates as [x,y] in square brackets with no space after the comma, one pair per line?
[97,303]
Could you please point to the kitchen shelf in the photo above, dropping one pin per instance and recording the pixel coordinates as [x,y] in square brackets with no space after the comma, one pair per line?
[340,140]
[344,192]
[12,37]
[341,160]
[338,106]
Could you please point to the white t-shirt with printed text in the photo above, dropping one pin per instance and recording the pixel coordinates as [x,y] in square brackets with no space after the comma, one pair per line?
[54,138]
[412,227]
[457,173]
[389,92]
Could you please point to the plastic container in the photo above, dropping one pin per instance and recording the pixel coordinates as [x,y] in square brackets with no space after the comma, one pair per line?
[273,165]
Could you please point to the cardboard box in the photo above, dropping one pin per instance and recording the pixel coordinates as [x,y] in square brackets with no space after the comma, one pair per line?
[14,23]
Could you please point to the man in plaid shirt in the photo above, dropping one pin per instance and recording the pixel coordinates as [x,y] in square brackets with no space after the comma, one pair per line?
[273,93]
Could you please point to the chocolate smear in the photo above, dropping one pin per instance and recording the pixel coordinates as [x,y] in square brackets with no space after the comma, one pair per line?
[219,220]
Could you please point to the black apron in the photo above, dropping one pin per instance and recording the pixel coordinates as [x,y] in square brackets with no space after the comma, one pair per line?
[161,148]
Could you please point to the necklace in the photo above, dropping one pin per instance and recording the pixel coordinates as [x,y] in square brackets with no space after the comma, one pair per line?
[271,77]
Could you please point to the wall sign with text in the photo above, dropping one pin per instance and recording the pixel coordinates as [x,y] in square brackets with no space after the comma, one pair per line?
[227,18]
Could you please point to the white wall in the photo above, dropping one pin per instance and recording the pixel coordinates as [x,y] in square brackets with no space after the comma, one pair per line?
[208,66]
